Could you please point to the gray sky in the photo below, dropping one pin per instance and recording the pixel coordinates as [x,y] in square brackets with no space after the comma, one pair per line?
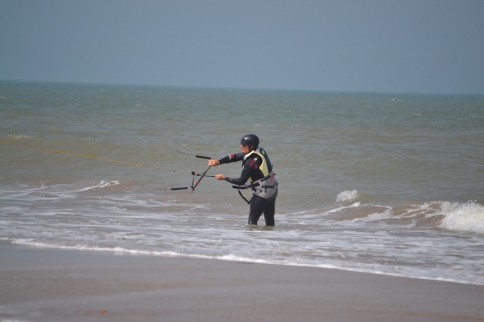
[423,46]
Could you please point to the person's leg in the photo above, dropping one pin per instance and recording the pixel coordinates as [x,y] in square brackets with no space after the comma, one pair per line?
[257,207]
[270,210]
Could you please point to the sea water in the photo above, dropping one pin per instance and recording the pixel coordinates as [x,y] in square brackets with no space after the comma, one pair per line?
[381,183]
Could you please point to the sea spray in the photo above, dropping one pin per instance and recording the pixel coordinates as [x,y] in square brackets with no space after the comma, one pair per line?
[348,195]
[464,217]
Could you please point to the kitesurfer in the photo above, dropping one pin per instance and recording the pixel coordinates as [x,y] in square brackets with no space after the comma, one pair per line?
[257,168]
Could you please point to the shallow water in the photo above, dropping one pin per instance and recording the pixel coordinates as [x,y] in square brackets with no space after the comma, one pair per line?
[388,184]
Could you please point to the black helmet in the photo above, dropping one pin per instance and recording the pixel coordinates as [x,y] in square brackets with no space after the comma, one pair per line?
[251,140]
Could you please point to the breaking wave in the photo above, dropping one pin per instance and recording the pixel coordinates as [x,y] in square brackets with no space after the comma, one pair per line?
[463,217]
[348,195]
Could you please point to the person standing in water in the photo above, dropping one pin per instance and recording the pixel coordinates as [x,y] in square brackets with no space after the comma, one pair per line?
[257,168]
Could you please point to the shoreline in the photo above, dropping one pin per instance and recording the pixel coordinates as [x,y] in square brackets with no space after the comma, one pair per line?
[62,285]
[127,252]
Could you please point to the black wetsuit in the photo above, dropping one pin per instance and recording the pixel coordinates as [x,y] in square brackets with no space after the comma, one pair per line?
[250,169]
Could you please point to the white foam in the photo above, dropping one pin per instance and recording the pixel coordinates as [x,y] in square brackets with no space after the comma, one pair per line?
[20,137]
[100,185]
[347,195]
[354,205]
[116,250]
[125,251]
[463,217]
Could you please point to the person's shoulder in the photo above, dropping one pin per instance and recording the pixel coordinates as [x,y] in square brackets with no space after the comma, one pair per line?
[239,156]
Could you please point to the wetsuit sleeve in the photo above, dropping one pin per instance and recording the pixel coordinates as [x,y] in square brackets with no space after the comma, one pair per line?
[244,176]
[232,158]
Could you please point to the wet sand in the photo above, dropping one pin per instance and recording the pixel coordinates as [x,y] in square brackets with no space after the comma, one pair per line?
[57,285]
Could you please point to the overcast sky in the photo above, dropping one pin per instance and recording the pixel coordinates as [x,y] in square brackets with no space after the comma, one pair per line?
[422,46]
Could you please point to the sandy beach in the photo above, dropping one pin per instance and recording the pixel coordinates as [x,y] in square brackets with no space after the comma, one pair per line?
[59,285]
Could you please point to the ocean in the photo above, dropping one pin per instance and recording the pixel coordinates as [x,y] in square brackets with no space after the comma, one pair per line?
[381,183]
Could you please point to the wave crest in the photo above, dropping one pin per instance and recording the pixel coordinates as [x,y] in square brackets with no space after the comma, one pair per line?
[100,185]
[348,195]
[463,217]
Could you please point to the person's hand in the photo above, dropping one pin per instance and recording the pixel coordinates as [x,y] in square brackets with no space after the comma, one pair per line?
[220,177]
[213,163]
